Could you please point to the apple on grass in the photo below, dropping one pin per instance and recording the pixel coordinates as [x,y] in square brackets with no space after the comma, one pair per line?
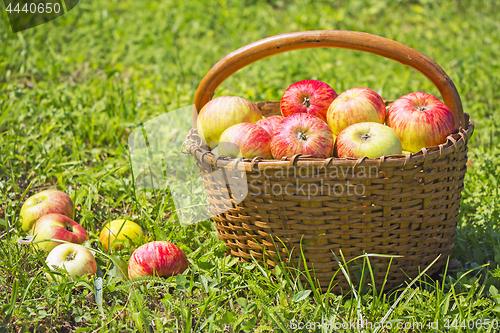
[308,96]
[245,140]
[420,120]
[270,123]
[302,133]
[56,226]
[43,203]
[157,258]
[221,113]
[76,259]
[368,139]
[356,105]
[119,233]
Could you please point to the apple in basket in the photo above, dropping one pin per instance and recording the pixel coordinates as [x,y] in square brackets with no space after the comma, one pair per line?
[302,133]
[356,105]
[158,258]
[43,203]
[221,113]
[76,259]
[56,226]
[420,120]
[367,139]
[308,96]
[270,123]
[245,140]
[119,233]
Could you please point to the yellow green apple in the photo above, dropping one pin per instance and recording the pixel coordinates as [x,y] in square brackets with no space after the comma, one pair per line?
[118,233]
[369,139]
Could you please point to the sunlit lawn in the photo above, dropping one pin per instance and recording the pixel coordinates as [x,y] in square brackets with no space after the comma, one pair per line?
[71,91]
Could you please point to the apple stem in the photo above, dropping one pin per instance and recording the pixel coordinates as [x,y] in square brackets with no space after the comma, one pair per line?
[26,240]
[307,101]
[302,136]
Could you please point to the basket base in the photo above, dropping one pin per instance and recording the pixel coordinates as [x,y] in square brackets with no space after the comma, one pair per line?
[388,272]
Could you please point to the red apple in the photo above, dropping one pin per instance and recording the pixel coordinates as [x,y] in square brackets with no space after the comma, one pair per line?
[270,123]
[420,120]
[223,112]
[158,258]
[302,133]
[76,259]
[119,233]
[308,96]
[367,139]
[57,226]
[247,140]
[43,203]
[356,105]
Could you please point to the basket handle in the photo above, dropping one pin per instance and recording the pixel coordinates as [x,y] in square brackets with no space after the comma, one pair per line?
[331,38]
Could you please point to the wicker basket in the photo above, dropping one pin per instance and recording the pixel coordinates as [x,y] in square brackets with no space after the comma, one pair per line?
[409,206]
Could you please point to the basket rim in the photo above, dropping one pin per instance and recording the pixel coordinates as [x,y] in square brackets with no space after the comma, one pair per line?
[194,146]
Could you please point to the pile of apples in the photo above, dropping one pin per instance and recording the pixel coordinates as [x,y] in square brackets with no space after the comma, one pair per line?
[316,121]
[47,216]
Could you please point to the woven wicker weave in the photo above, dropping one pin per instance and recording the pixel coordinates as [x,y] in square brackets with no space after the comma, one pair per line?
[395,205]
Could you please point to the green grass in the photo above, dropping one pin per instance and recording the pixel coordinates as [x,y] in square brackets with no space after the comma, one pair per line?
[72,90]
